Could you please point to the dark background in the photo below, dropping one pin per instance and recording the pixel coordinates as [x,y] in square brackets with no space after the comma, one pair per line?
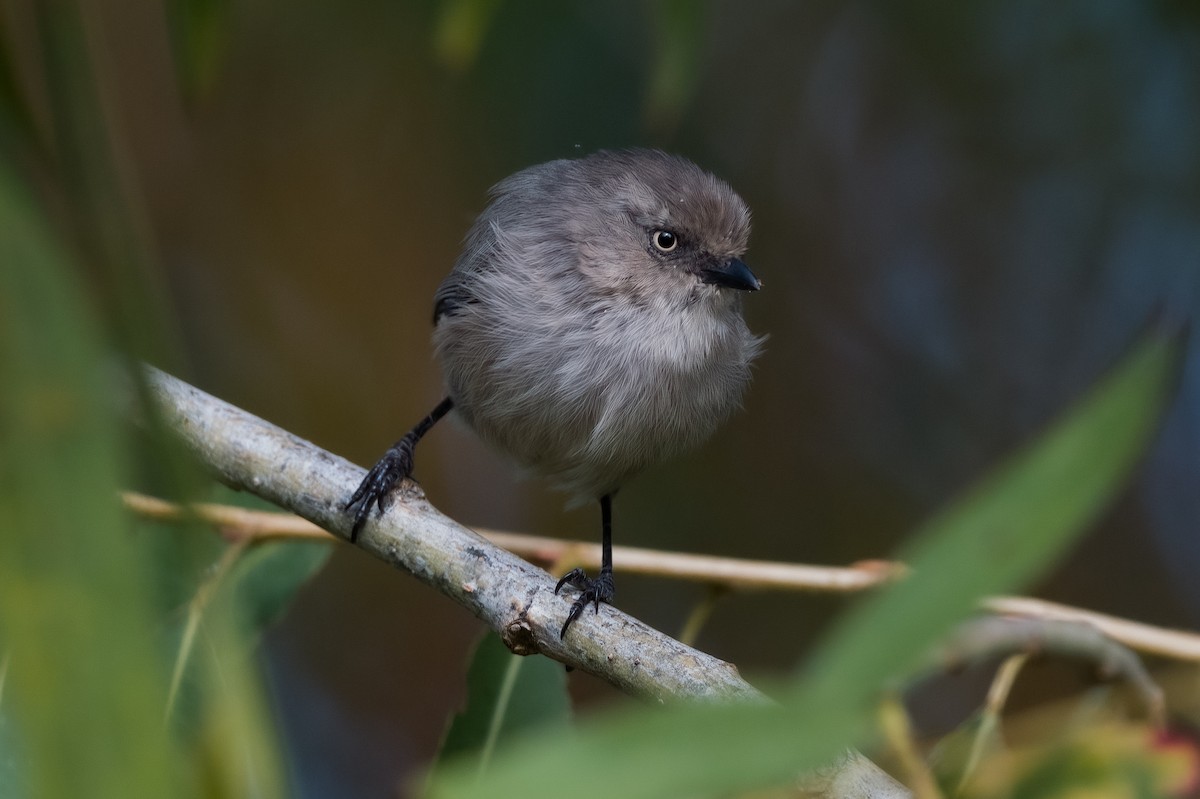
[963,215]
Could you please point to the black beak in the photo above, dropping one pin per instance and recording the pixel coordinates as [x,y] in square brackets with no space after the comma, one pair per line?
[732,275]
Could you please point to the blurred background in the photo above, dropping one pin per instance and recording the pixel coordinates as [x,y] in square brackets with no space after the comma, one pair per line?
[962,216]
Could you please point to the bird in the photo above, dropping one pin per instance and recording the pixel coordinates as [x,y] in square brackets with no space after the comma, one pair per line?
[592,326]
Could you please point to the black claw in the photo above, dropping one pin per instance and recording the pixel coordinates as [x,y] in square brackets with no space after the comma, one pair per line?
[375,489]
[577,578]
[394,467]
[593,591]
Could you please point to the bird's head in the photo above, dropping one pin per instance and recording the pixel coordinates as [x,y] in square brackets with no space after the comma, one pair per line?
[658,223]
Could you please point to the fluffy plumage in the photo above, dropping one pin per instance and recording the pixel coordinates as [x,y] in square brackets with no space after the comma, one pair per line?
[570,342]
[591,327]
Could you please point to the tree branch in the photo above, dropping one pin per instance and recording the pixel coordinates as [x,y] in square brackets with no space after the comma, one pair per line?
[510,595]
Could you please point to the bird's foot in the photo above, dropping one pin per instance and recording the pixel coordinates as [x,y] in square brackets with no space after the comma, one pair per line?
[594,591]
[395,465]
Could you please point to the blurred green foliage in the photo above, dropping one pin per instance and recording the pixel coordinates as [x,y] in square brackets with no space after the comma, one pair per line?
[83,621]
[85,686]
[995,539]
[507,695]
[460,31]
[95,609]
[90,617]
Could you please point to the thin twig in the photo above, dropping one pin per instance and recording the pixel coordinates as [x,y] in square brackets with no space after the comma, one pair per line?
[1002,683]
[237,523]
[898,733]
[986,637]
[195,614]
[700,614]
[733,573]
[989,720]
[1146,638]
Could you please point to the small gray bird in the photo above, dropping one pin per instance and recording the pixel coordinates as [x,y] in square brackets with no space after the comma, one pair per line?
[591,327]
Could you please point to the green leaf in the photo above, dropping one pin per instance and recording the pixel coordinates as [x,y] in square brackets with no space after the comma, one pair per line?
[506,695]
[267,577]
[86,680]
[199,32]
[958,753]
[1008,529]
[996,539]
[80,597]
[249,588]
[461,28]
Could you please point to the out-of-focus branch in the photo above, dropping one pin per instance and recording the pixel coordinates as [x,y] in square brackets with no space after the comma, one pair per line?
[732,573]
[1145,638]
[986,636]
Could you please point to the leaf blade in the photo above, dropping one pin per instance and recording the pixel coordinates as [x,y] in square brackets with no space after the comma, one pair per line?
[704,751]
[507,695]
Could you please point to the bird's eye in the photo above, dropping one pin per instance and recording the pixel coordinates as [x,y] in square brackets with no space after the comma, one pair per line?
[664,240]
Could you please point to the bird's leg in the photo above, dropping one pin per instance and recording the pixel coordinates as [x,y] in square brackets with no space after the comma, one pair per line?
[395,465]
[598,590]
